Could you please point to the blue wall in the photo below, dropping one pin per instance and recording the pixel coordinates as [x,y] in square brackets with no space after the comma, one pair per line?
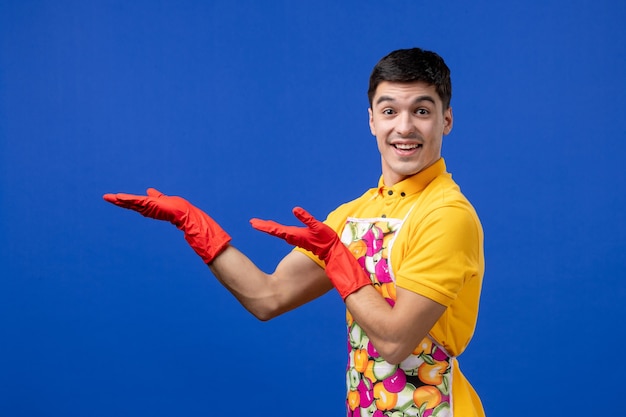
[248,109]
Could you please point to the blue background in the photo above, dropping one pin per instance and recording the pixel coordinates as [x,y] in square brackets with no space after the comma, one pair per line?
[250,108]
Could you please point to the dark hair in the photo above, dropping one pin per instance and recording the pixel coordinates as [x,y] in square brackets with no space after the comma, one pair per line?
[410,65]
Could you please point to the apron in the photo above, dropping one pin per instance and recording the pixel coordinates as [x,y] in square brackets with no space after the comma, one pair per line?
[421,385]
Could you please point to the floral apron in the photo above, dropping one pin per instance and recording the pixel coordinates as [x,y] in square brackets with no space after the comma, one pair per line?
[419,386]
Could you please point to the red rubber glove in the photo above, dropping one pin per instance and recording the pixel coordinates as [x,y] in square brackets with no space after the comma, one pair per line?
[342,268]
[202,233]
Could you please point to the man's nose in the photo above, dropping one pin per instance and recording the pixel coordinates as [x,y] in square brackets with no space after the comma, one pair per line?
[405,125]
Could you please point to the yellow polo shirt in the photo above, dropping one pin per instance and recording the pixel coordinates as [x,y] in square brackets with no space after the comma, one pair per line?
[437,253]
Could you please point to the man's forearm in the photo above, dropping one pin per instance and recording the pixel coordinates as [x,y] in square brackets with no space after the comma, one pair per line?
[394,331]
[241,277]
[296,281]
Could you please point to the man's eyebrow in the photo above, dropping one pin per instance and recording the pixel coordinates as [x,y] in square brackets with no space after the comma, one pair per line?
[385,98]
[417,99]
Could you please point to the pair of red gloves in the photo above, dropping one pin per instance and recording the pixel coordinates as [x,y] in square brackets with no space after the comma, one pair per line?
[208,239]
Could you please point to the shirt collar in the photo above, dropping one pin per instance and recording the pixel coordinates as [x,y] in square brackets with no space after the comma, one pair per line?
[415,183]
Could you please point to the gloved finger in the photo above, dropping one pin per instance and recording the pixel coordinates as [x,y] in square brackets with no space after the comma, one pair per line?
[269,227]
[291,234]
[153,192]
[109,197]
[125,200]
[305,217]
[320,229]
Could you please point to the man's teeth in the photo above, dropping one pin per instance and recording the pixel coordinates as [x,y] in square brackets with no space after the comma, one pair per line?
[407,147]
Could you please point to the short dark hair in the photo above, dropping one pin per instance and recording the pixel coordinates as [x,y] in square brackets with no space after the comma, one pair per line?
[410,65]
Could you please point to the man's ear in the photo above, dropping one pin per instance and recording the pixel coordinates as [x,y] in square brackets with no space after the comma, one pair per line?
[448,120]
[371,121]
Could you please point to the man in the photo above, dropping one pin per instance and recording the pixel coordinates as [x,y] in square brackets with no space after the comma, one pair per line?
[406,256]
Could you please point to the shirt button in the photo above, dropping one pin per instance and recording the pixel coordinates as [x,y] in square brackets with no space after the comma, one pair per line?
[390,192]
[403,194]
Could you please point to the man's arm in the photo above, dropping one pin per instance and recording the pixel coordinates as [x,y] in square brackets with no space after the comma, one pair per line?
[296,281]
[394,331]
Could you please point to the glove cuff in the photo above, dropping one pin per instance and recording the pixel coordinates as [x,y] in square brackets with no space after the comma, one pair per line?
[218,242]
[345,272]
[204,235]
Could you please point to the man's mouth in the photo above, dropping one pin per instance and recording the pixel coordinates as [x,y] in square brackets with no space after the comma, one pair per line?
[406,146]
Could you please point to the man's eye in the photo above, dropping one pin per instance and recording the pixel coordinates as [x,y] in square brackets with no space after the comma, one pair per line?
[388,111]
[422,111]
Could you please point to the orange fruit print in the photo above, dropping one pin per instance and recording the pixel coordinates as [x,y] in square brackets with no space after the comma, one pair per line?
[428,395]
[358,248]
[432,374]
[385,400]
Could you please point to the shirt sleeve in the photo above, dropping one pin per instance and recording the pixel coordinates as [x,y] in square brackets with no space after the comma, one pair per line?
[437,254]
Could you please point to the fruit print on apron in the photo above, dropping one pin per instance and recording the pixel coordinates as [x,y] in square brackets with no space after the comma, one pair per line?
[421,385]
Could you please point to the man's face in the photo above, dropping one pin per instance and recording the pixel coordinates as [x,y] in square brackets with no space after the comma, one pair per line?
[409,122]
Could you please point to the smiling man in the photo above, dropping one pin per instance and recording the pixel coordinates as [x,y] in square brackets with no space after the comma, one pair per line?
[406,256]
[409,121]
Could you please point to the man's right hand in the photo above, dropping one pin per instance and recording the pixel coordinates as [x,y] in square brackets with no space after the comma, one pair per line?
[202,233]
[342,268]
